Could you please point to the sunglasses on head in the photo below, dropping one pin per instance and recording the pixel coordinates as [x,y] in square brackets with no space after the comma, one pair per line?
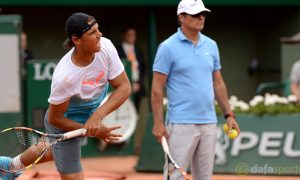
[203,13]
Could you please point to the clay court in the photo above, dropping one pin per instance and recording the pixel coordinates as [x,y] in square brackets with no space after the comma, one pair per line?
[117,168]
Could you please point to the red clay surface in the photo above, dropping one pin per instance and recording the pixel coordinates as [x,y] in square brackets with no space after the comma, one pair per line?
[117,168]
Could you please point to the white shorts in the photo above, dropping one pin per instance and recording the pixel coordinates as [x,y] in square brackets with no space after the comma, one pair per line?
[192,145]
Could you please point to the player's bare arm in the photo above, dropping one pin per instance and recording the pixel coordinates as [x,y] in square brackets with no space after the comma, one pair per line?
[57,118]
[157,95]
[222,98]
[295,90]
[122,90]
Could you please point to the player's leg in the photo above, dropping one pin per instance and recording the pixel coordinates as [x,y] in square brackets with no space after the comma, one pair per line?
[28,157]
[72,176]
[66,155]
[182,143]
[203,160]
[32,153]
[24,159]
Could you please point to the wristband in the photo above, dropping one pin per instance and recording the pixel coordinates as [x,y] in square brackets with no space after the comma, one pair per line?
[230,114]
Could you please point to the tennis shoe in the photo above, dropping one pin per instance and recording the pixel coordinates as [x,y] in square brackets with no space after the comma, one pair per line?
[5,163]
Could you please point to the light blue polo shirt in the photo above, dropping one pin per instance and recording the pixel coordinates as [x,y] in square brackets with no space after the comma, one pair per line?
[189,85]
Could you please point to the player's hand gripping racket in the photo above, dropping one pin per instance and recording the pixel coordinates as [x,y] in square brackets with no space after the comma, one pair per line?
[171,160]
[30,144]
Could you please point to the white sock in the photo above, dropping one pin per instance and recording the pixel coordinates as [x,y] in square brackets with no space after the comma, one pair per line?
[17,164]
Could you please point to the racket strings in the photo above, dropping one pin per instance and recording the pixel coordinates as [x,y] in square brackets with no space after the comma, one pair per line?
[172,169]
[15,142]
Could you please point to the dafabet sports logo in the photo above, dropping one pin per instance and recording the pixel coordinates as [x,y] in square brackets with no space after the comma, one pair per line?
[243,169]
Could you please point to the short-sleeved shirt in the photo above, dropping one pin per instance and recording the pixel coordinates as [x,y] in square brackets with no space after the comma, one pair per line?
[189,69]
[85,87]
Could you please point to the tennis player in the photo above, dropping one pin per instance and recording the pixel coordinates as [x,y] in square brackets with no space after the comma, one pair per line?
[188,65]
[80,82]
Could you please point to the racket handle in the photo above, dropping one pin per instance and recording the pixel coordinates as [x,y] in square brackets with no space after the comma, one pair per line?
[75,133]
[165,145]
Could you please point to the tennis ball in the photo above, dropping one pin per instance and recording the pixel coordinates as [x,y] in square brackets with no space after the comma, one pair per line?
[225,128]
[232,134]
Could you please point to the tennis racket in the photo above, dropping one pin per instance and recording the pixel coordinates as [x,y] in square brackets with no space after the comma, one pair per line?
[170,159]
[30,144]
